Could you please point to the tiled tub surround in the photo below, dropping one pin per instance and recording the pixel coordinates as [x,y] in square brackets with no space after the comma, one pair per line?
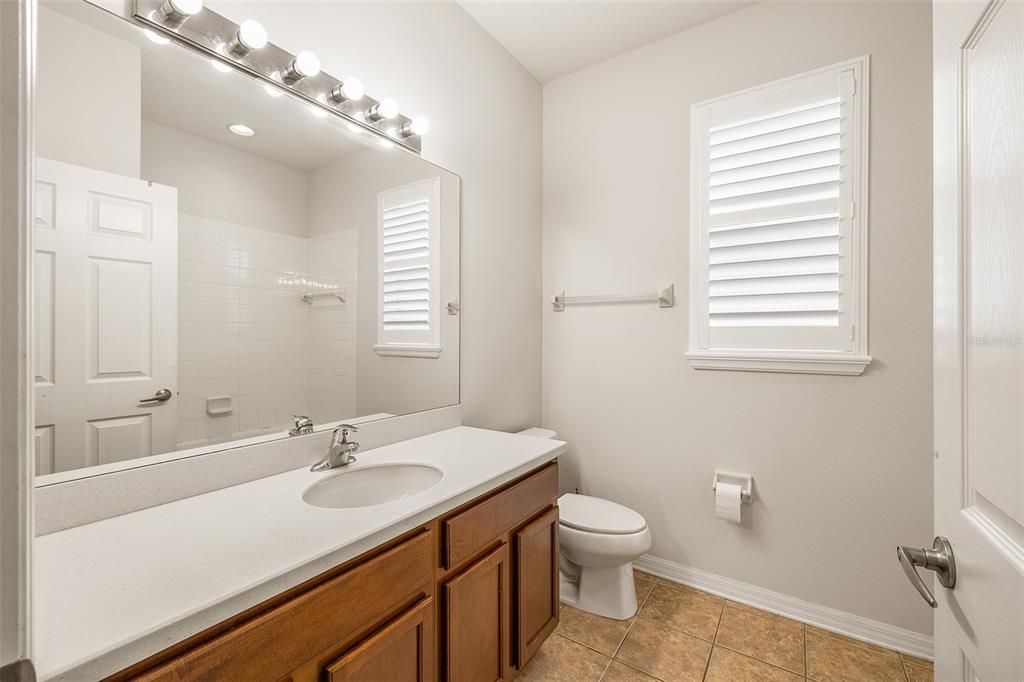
[245,332]
[110,593]
[682,634]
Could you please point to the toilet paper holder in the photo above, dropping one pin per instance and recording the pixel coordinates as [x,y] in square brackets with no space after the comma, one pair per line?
[744,481]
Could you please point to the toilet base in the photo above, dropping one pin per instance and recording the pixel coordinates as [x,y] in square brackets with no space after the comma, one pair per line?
[607,592]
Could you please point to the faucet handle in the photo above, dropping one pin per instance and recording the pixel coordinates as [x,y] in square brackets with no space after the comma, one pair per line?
[345,430]
[303,425]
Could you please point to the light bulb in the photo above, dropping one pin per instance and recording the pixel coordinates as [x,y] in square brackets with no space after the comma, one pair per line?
[186,7]
[386,108]
[417,126]
[350,90]
[177,11]
[305,65]
[241,130]
[156,37]
[272,91]
[220,66]
[251,35]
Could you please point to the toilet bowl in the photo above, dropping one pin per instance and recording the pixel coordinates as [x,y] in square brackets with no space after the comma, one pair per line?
[599,540]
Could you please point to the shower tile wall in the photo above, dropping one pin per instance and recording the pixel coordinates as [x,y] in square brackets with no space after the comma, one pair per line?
[331,328]
[244,331]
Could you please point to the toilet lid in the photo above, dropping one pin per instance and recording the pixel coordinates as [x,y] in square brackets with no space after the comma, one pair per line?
[596,515]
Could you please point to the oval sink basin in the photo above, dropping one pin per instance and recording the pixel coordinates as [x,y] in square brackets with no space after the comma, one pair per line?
[371,485]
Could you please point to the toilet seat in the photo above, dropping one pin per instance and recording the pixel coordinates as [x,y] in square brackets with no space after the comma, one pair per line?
[596,515]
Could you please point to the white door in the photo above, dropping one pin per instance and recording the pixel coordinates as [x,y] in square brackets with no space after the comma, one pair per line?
[979,337]
[105,317]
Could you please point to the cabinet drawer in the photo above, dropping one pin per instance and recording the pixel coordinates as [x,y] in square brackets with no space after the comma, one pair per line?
[274,643]
[401,652]
[472,529]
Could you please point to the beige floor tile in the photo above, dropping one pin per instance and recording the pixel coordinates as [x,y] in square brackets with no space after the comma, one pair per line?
[729,666]
[596,632]
[918,670]
[664,652]
[644,576]
[832,658]
[644,586]
[771,639]
[828,633]
[561,660]
[693,612]
[617,672]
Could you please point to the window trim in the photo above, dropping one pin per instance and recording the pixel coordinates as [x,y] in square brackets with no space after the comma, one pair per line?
[855,359]
[404,348]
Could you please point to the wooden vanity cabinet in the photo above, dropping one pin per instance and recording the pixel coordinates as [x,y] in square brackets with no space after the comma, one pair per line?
[468,597]
[499,579]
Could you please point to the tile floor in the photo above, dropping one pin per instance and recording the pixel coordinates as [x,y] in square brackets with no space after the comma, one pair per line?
[682,634]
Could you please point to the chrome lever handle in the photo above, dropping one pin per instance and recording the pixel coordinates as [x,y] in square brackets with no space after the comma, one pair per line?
[939,559]
[163,395]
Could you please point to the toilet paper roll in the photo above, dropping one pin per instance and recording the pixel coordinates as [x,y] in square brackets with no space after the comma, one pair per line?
[728,504]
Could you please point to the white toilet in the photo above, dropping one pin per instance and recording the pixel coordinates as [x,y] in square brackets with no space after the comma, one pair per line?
[599,540]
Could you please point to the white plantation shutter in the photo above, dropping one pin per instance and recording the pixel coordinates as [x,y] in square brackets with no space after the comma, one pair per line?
[408,248]
[777,268]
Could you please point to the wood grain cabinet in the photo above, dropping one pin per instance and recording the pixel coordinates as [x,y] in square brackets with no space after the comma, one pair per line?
[535,548]
[467,597]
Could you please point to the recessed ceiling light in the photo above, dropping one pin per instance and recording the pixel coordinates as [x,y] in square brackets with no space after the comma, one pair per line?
[156,37]
[241,130]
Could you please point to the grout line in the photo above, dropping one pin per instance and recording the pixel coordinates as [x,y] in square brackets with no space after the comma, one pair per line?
[714,638]
[903,667]
[755,658]
[804,637]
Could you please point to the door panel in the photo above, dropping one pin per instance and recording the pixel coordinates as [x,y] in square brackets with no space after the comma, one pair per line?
[979,336]
[477,620]
[536,576]
[105,319]
[401,652]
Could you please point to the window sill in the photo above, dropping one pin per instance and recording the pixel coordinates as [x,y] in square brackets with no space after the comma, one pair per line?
[802,363]
[407,351]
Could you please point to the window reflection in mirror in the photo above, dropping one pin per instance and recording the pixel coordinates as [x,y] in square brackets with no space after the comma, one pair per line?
[212,257]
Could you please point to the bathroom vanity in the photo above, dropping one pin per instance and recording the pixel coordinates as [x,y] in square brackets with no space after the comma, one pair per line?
[458,581]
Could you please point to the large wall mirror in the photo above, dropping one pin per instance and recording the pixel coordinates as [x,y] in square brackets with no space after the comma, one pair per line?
[214,256]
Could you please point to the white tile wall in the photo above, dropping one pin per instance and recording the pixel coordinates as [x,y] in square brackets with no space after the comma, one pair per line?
[331,369]
[245,332]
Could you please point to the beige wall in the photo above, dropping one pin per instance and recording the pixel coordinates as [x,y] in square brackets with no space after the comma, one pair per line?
[87,100]
[842,465]
[217,182]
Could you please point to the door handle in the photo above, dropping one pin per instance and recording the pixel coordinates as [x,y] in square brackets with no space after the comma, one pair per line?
[161,396]
[939,559]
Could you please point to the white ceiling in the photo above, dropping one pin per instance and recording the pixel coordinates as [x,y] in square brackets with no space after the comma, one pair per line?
[555,37]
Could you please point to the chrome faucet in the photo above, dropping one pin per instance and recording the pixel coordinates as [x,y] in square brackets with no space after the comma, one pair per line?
[303,425]
[339,454]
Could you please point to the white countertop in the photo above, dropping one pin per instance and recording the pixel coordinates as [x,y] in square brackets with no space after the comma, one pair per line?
[111,593]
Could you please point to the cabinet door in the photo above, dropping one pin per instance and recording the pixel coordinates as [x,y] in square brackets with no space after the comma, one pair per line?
[400,652]
[536,583]
[476,617]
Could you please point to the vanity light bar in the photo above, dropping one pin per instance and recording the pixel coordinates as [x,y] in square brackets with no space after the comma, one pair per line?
[246,47]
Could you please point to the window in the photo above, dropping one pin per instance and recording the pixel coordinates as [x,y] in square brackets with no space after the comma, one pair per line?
[778,226]
[408,290]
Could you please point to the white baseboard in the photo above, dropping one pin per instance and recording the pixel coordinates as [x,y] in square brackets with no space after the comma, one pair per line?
[824,617]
